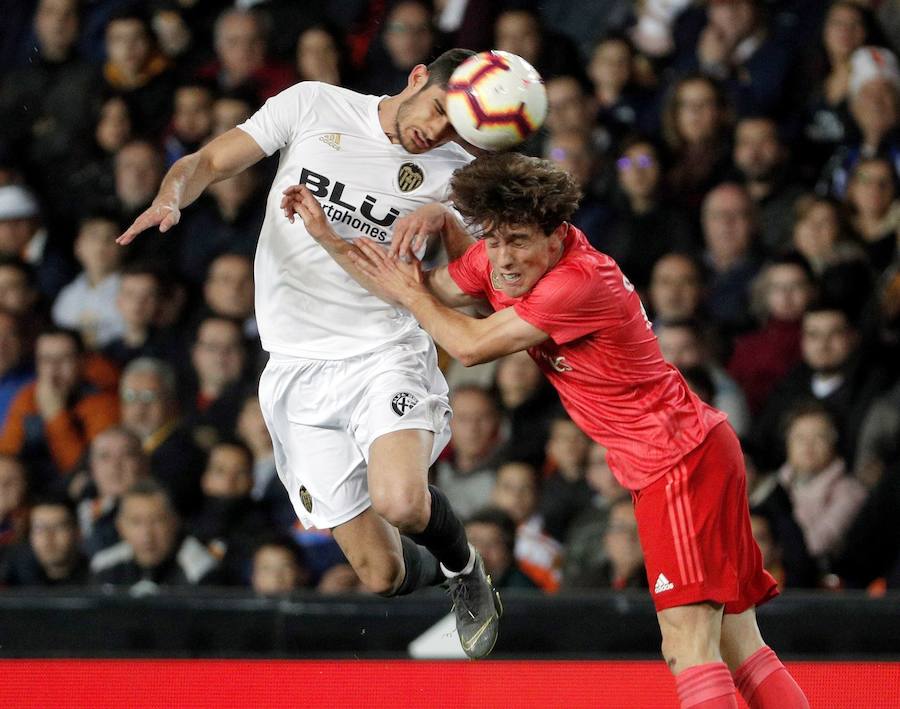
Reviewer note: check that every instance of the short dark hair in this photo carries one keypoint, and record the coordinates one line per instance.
(56, 500)
(501, 520)
(442, 68)
(56, 331)
(512, 189)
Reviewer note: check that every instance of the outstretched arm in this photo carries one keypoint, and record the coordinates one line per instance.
(298, 200)
(470, 340)
(222, 157)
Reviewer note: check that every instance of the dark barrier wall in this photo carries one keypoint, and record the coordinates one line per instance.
(619, 625)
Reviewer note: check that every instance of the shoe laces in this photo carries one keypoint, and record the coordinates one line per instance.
(459, 594)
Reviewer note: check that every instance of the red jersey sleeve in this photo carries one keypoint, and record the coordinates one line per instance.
(572, 301)
(470, 271)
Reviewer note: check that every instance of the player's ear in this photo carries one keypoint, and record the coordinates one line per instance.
(418, 77)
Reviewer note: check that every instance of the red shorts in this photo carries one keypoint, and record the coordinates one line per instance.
(694, 526)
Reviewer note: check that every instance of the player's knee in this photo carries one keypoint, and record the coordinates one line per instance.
(384, 576)
(405, 509)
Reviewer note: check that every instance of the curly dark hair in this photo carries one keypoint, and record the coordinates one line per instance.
(508, 189)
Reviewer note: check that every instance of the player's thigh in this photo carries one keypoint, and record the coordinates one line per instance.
(317, 459)
(373, 549)
(690, 634)
(740, 637)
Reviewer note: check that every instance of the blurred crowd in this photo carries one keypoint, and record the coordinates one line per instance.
(740, 159)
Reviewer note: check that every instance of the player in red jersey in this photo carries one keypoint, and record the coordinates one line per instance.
(580, 319)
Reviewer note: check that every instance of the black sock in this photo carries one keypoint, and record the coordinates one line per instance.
(444, 536)
(422, 569)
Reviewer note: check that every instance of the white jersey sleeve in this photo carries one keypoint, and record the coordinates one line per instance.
(275, 124)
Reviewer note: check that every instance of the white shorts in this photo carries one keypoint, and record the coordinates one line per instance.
(323, 416)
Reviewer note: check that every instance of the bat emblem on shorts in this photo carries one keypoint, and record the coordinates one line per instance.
(403, 402)
(305, 498)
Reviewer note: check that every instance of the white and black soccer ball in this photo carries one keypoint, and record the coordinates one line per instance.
(495, 100)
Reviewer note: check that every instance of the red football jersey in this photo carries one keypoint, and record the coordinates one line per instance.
(603, 359)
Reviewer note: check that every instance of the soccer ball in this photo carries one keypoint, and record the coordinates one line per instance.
(495, 100)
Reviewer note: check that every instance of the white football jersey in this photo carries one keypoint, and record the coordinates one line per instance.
(331, 140)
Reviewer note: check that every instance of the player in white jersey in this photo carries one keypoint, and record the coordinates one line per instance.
(352, 395)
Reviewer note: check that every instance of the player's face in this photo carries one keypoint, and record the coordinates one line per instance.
(521, 255)
(422, 122)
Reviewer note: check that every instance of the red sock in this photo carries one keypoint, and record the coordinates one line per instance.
(764, 683)
(706, 686)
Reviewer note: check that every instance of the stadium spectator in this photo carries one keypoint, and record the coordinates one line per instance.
(90, 176)
(191, 120)
(824, 497)
(228, 290)
(781, 293)
(13, 502)
(729, 233)
(493, 533)
(684, 345)
(467, 475)
(527, 405)
(241, 56)
(834, 371)
(153, 552)
(232, 108)
(267, 489)
(769, 500)
(826, 115)
(819, 234)
(52, 556)
(46, 104)
(230, 522)
(137, 172)
(518, 29)
(623, 565)
(88, 303)
(879, 438)
(769, 547)
(874, 87)
(115, 463)
(321, 56)
(761, 159)
(574, 152)
(874, 210)
(16, 365)
(696, 124)
(23, 235)
(564, 491)
(645, 226)
(340, 579)
(623, 106)
(408, 38)
(218, 358)
(517, 492)
(583, 553)
(676, 288)
(137, 69)
(572, 108)
(149, 400)
(228, 219)
(138, 302)
(52, 421)
(278, 568)
(737, 47)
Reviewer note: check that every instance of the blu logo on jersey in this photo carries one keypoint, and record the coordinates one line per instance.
(319, 186)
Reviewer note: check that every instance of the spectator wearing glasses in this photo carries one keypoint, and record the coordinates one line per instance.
(645, 226)
(148, 397)
(51, 557)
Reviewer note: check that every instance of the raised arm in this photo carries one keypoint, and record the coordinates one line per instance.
(222, 157)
